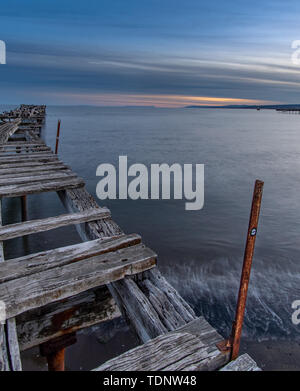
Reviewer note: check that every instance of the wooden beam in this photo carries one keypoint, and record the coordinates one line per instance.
(41, 187)
(13, 180)
(34, 226)
(10, 358)
(191, 347)
(28, 157)
(33, 165)
(66, 316)
(39, 289)
(242, 363)
(59, 257)
(24, 159)
(35, 171)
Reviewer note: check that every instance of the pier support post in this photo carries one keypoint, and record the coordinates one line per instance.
(57, 136)
(24, 207)
(56, 361)
(54, 351)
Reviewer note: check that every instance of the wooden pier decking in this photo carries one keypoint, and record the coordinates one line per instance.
(51, 295)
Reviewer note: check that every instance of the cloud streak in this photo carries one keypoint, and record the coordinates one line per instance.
(141, 52)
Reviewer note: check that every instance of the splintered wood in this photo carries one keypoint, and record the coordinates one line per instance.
(191, 347)
(40, 279)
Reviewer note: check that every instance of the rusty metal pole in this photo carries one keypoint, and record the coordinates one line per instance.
(57, 136)
(54, 351)
(245, 277)
(56, 361)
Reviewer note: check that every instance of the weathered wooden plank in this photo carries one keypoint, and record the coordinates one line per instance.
(159, 281)
(28, 157)
(7, 130)
(4, 155)
(13, 344)
(54, 320)
(80, 200)
(4, 361)
(37, 171)
(242, 363)
(24, 144)
(19, 148)
(24, 159)
(23, 152)
(165, 310)
(9, 347)
(1, 242)
(137, 309)
(34, 166)
(54, 185)
(187, 348)
(27, 293)
(59, 257)
(36, 178)
(34, 226)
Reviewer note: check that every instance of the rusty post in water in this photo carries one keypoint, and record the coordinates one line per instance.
(245, 277)
(57, 136)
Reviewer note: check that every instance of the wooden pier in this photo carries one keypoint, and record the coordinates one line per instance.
(290, 110)
(50, 295)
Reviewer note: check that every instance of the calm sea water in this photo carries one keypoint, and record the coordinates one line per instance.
(200, 252)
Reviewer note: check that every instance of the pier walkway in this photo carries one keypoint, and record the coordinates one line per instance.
(50, 295)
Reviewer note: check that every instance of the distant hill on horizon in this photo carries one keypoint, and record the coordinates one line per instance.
(289, 106)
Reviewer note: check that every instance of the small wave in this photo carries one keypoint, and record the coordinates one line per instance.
(212, 289)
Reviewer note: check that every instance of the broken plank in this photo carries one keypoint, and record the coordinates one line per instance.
(26, 293)
(242, 363)
(34, 226)
(67, 316)
(189, 348)
(59, 257)
(137, 309)
(180, 305)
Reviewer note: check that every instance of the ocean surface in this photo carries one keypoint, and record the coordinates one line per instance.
(200, 252)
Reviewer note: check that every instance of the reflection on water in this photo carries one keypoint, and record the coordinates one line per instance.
(201, 252)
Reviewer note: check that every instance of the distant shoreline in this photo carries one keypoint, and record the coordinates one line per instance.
(256, 107)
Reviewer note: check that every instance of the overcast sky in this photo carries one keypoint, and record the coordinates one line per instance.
(149, 52)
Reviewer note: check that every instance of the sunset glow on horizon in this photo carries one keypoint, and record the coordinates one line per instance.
(171, 101)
